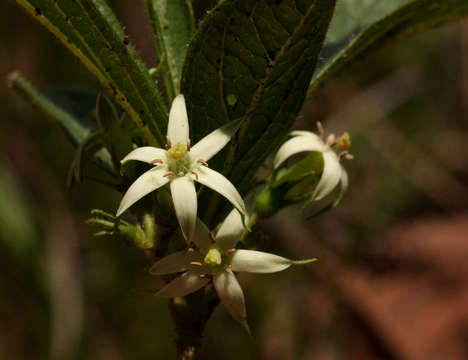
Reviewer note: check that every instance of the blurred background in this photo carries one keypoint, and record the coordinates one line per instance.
(392, 277)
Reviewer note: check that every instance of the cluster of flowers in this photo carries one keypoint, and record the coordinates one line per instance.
(212, 257)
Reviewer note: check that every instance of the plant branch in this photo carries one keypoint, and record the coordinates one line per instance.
(190, 315)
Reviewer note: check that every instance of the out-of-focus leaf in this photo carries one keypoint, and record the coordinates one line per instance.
(361, 26)
(64, 108)
(91, 31)
(351, 16)
(173, 26)
(18, 230)
(253, 60)
(76, 130)
(78, 103)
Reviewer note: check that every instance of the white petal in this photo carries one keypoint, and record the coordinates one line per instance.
(231, 295)
(211, 144)
(302, 133)
(304, 141)
(146, 154)
(343, 188)
(331, 175)
(178, 126)
(174, 263)
(184, 197)
(258, 262)
(146, 183)
(230, 231)
(344, 180)
(185, 284)
(217, 182)
(202, 235)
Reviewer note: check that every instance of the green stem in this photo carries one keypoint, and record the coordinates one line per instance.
(252, 221)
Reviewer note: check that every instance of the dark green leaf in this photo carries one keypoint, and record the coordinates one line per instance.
(76, 131)
(79, 103)
(86, 149)
(118, 134)
(358, 29)
(91, 31)
(18, 229)
(253, 60)
(64, 108)
(173, 26)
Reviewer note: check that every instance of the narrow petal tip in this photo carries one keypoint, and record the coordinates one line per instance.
(304, 262)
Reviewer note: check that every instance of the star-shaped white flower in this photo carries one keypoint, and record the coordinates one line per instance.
(333, 172)
(216, 260)
(180, 165)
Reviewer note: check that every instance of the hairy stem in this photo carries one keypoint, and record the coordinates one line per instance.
(190, 315)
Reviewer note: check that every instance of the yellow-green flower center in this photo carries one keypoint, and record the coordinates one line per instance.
(178, 151)
(213, 257)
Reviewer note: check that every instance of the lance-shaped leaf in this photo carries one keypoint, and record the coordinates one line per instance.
(49, 16)
(71, 109)
(253, 60)
(91, 31)
(118, 134)
(173, 26)
(358, 28)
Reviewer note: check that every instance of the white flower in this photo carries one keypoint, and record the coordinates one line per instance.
(333, 172)
(216, 260)
(180, 165)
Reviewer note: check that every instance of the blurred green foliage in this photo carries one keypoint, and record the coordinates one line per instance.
(122, 320)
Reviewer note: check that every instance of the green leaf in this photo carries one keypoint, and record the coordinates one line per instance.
(118, 134)
(253, 60)
(18, 228)
(173, 26)
(86, 149)
(77, 102)
(91, 31)
(71, 109)
(76, 130)
(351, 16)
(360, 27)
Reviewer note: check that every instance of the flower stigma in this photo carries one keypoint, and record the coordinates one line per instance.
(213, 257)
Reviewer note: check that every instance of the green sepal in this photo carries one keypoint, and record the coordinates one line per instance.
(310, 166)
(146, 233)
(290, 185)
